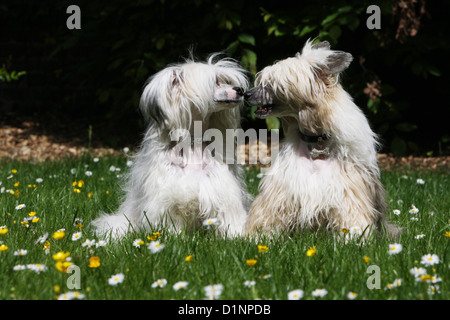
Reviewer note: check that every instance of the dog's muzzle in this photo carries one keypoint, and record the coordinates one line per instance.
(263, 97)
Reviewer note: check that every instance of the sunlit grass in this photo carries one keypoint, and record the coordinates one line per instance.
(69, 194)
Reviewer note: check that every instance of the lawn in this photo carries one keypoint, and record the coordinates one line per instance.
(47, 250)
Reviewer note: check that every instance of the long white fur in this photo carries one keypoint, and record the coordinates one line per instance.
(161, 192)
(339, 192)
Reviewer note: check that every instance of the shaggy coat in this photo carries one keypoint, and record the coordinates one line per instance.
(326, 174)
(176, 182)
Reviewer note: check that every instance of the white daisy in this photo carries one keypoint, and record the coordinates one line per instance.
(419, 236)
(70, 295)
(101, 243)
(159, 283)
(39, 180)
(156, 246)
(351, 295)
(116, 279)
(37, 267)
(21, 252)
(20, 206)
(429, 259)
(213, 291)
(76, 236)
(319, 293)
(417, 272)
(395, 248)
(295, 294)
(88, 243)
(433, 290)
(413, 210)
(249, 283)
(19, 267)
(137, 243)
(211, 222)
(420, 181)
(180, 285)
(397, 212)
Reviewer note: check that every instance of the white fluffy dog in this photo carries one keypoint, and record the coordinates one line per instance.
(177, 181)
(326, 174)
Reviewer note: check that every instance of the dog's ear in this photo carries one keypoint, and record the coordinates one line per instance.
(321, 45)
(337, 62)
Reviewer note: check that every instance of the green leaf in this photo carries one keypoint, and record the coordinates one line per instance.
(335, 32)
(232, 47)
(266, 17)
(160, 43)
(228, 25)
(307, 29)
(434, 71)
(248, 60)
(246, 38)
(330, 18)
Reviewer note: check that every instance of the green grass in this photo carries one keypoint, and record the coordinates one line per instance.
(337, 266)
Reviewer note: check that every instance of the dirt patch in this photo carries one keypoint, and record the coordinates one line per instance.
(27, 141)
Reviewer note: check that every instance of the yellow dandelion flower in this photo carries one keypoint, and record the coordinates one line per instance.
(16, 184)
(56, 289)
(90, 194)
(76, 190)
(366, 259)
(32, 214)
(151, 238)
(189, 258)
(311, 252)
(58, 235)
(251, 262)
(157, 234)
(425, 277)
(3, 230)
(35, 220)
(25, 223)
(345, 230)
(63, 266)
(3, 247)
(46, 247)
(94, 262)
(262, 248)
(14, 171)
(447, 234)
(61, 256)
(80, 184)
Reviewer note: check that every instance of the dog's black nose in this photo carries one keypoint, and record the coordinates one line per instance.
(239, 91)
(247, 95)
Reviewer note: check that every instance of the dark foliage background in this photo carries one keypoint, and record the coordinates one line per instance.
(94, 76)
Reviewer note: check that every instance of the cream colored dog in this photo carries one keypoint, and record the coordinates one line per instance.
(326, 174)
